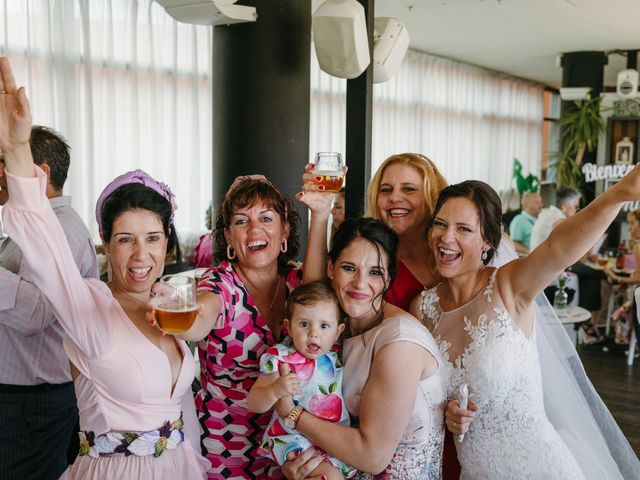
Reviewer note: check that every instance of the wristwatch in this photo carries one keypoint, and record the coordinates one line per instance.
(291, 420)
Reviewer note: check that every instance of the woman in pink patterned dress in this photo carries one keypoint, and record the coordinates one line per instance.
(243, 300)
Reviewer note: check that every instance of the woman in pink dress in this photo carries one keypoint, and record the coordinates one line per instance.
(256, 239)
(133, 384)
(203, 251)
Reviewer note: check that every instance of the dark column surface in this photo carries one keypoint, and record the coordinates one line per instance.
(358, 135)
(584, 69)
(261, 75)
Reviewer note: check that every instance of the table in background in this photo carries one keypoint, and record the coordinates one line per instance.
(575, 316)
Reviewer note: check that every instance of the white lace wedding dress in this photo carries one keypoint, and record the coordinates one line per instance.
(511, 436)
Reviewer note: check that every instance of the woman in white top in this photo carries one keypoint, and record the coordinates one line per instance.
(483, 320)
(399, 431)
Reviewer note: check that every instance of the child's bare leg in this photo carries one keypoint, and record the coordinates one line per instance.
(327, 469)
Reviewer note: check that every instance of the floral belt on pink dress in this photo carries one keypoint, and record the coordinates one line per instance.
(153, 442)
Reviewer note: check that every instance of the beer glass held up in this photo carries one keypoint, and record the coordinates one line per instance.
(175, 304)
(328, 168)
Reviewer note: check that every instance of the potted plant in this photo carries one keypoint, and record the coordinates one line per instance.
(581, 128)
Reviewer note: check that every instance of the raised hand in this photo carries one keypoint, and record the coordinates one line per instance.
(15, 114)
(313, 195)
(629, 186)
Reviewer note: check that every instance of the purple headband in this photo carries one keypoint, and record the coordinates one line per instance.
(136, 176)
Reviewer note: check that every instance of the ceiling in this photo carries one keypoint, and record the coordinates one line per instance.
(519, 37)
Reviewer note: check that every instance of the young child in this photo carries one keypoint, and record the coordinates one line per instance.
(313, 322)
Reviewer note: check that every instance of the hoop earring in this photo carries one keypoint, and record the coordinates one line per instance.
(231, 253)
(284, 246)
(484, 255)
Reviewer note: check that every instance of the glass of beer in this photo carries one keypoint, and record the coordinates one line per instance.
(176, 304)
(329, 167)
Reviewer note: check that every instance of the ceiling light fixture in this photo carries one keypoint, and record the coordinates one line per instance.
(209, 12)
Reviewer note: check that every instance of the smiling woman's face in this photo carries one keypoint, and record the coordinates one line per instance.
(137, 247)
(358, 277)
(400, 199)
(256, 234)
(456, 238)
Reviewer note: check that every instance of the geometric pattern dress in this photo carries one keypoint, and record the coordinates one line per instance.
(230, 364)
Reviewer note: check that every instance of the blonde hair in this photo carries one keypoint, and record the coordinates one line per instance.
(432, 181)
(634, 215)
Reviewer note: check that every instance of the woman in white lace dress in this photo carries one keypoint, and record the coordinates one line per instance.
(483, 321)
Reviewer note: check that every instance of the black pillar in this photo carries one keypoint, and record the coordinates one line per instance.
(261, 77)
(358, 134)
(583, 69)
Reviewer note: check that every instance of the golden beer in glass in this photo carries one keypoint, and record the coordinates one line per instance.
(328, 171)
(176, 305)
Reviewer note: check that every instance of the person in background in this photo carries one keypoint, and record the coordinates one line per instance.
(567, 205)
(203, 252)
(589, 279)
(634, 279)
(522, 224)
(38, 412)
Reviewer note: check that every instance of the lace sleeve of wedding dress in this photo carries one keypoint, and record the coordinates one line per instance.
(571, 402)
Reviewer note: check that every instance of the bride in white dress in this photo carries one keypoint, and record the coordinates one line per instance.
(483, 321)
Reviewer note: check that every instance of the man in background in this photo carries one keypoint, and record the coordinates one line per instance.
(522, 224)
(589, 279)
(567, 205)
(38, 412)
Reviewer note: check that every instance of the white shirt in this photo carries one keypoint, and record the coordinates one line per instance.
(548, 218)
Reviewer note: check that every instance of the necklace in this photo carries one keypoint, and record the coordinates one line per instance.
(275, 295)
(253, 290)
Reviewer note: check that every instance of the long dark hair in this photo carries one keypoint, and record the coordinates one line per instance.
(488, 205)
(134, 196)
(383, 238)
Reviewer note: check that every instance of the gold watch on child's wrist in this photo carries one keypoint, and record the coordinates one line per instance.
(291, 420)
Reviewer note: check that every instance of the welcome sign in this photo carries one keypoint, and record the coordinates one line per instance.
(610, 174)
(594, 172)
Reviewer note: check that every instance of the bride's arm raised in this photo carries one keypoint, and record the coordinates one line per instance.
(522, 279)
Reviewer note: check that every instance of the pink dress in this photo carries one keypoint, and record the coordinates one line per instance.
(203, 253)
(230, 362)
(125, 382)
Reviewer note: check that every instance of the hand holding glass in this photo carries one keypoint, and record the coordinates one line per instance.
(328, 166)
(176, 305)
